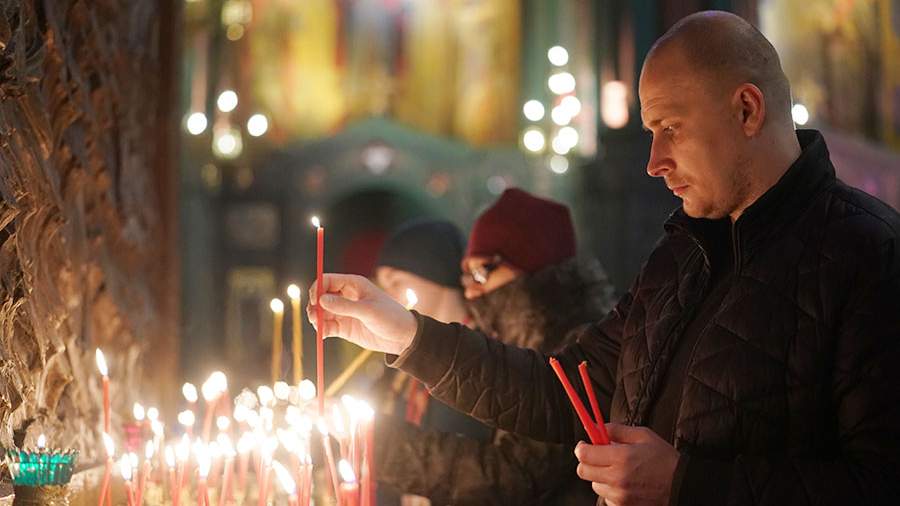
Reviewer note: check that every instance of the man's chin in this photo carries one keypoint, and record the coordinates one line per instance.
(697, 213)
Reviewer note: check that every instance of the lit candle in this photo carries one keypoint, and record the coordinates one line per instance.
(287, 482)
(278, 318)
(190, 394)
(293, 292)
(110, 447)
(212, 389)
(182, 452)
(244, 447)
(145, 471)
(173, 483)
(203, 466)
(228, 451)
(367, 427)
(320, 342)
(349, 487)
(125, 469)
(306, 484)
(104, 373)
(329, 457)
(186, 418)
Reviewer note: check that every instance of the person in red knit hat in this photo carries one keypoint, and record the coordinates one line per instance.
(519, 234)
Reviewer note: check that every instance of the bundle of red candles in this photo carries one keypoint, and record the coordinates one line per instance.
(595, 428)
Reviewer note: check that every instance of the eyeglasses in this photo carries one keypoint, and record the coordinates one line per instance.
(480, 274)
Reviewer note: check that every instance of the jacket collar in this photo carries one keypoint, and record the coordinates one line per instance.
(781, 204)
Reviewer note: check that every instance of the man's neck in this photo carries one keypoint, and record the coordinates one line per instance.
(779, 156)
(451, 306)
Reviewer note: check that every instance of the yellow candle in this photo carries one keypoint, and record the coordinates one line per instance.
(297, 334)
(278, 315)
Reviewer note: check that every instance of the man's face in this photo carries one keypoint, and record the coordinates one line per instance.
(697, 144)
(492, 271)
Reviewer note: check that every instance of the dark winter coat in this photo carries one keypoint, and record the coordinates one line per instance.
(791, 394)
(452, 469)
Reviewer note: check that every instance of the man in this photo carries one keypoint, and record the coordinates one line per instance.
(754, 360)
(523, 287)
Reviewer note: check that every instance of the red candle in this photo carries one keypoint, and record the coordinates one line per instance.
(104, 486)
(145, 471)
(104, 372)
(592, 398)
(287, 482)
(125, 469)
(589, 426)
(110, 448)
(367, 427)
(226, 481)
(329, 458)
(320, 342)
(264, 484)
(306, 481)
(349, 495)
(203, 466)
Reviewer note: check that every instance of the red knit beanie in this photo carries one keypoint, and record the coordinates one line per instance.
(527, 231)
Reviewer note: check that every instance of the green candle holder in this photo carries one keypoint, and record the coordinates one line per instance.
(40, 468)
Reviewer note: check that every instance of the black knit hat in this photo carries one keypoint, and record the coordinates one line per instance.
(431, 249)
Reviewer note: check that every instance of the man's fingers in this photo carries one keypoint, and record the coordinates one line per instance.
(341, 306)
(626, 434)
(348, 285)
(600, 455)
(599, 474)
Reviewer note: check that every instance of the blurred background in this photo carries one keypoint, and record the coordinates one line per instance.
(368, 113)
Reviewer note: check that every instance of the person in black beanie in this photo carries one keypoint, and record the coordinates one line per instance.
(424, 256)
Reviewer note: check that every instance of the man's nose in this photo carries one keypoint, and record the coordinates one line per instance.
(660, 163)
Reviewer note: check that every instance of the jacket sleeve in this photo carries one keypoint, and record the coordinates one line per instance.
(863, 465)
(452, 469)
(511, 388)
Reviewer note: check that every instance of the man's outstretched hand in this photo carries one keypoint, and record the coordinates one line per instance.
(356, 310)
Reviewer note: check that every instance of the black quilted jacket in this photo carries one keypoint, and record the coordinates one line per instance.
(792, 394)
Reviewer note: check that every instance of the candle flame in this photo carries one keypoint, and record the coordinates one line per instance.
(170, 457)
(288, 440)
(183, 449)
(190, 392)
(315, 221)
(42, 442)
(138, 411)
(152, 414)
(277, 306)
(101, 363)
(287, 482)
(204, 462)
(307, 390)
(223, 423)
(157, 427)
(322, 425)
(346, 471)
(225, 445)
(293, 292)
(266, 395)
(186, 418)
(109, 444)
(133, 459)
(125, 468)
(149, 450)
(245, 443)
(411, 298)
(281, 390)
(219, 380)
(366, 413)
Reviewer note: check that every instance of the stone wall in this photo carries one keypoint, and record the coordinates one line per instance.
(86, 224)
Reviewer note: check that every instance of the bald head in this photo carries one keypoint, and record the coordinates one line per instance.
(724, 50)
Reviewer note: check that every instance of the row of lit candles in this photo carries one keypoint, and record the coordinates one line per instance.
(355, 440)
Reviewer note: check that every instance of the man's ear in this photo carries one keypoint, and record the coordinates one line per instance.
(750, 103)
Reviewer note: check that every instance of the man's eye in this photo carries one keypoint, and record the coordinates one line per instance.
(669, 130)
